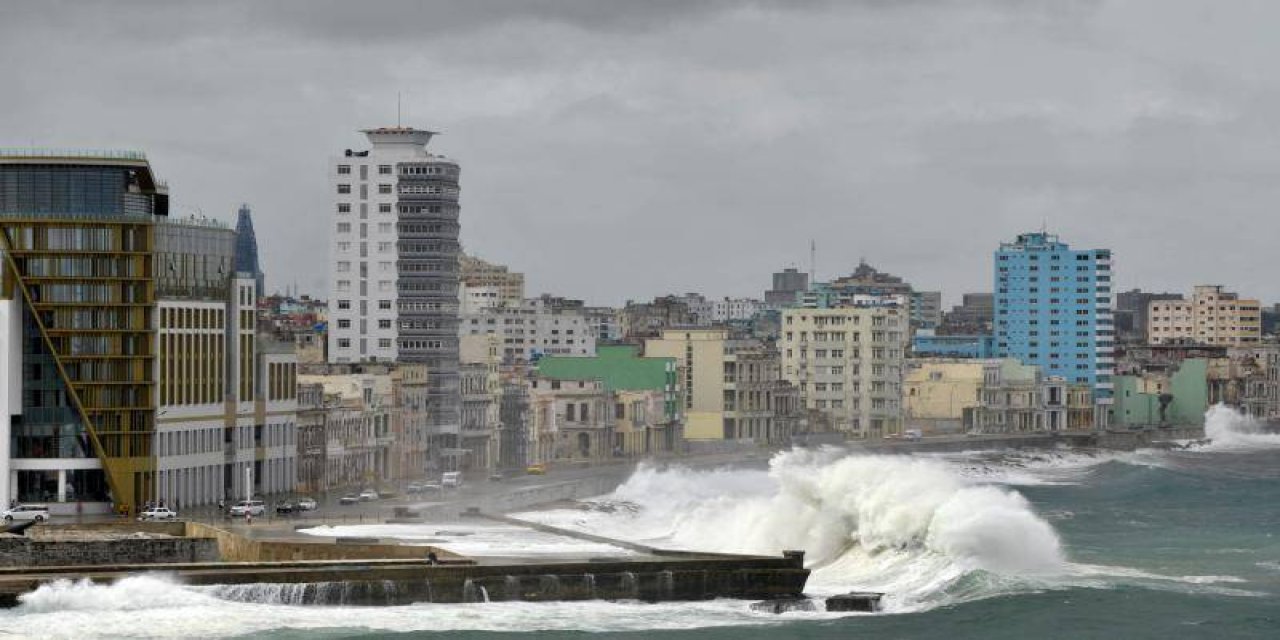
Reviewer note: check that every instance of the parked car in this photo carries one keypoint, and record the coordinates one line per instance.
(37, 512)
(251, 507)
(368, 495)
(451, 479)
(307, 504)
(287, 507)
(413, 487)
(432, 487)
(350, 498)
(158, 513)
(536, 469)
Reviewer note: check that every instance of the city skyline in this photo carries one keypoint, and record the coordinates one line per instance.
(913, 135)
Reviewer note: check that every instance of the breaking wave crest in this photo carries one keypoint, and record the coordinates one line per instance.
(1230, 430)
(134, 593)
(912, 527)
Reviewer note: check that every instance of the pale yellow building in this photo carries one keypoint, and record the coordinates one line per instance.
(940, 396)
(847, 363)
(733, 389)
(1211, 316)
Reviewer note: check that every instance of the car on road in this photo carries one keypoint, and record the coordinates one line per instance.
(368, 495)
(37, 512)
(432, 487)
(536, 469)
(350, 498)
(307, 504)
(250, 507)
(158, 513)
(287, 508)
(451, 479)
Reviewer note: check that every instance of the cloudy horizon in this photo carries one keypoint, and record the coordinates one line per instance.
(622, 150)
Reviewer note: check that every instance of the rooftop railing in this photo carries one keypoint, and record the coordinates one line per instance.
(44, 152)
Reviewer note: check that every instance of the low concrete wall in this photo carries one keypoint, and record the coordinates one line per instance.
(233, 547)
(176, 529)
(26, 552)
(391, 582)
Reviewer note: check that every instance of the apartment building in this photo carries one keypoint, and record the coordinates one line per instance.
(534, 328)
(848, 365)
(732, 388)
(1053, 309)
(1211, 316)
(394, 262)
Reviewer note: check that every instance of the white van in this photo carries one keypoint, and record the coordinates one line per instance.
(251, 507)
(451, 479)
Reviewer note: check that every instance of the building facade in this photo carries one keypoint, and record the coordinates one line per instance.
(506, 286)
(848, 364)
(645, 394)
(732, 389)
(395, 261)
(134, 374)
(1212, 316)
(1053, 309)
(534, 328)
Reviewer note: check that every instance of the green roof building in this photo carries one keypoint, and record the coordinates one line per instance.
(621, 368)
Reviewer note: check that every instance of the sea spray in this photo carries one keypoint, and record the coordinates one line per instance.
(1230, 430)
(911, 525)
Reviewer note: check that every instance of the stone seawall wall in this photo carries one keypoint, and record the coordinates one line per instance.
(27, 552)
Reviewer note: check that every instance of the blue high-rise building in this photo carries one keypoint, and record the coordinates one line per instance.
(1053, 308)
(247, 248)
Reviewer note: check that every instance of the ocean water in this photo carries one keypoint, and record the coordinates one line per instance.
(1149, 544)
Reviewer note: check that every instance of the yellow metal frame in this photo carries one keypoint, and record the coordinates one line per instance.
(123, 471)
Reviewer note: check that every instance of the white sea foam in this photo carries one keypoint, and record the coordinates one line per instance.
(1230, 430)
(157, 607)
(912, 527)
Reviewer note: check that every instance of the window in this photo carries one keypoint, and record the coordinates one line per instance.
(344, 246)
(344, 227)
(344, 267)
(344, 324)
(384, 343)
(384, 227)
(384, 169)
(384, 324)
(344, 343)
(344, 188)
(344, 285)
(344, 207)
(384, 305)
(344, 169)
(344, 304)
(384, 208)
(384, 188)
(384, 247)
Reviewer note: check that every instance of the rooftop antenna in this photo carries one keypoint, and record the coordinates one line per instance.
(813, 260)
(397, 109)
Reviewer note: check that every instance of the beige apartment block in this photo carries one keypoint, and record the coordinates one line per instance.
(1212, 316)
(504, 285)
(733, 388)
(848, 364)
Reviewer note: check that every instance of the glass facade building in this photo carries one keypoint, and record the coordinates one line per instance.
(247, 248)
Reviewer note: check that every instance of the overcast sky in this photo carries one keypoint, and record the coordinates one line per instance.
(616, 150)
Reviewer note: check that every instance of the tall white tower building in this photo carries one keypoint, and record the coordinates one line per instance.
(394, 262)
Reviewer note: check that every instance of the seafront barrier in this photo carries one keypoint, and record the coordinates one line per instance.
(373, 573)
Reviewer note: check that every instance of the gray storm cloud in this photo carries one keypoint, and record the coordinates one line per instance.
(618, 150)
